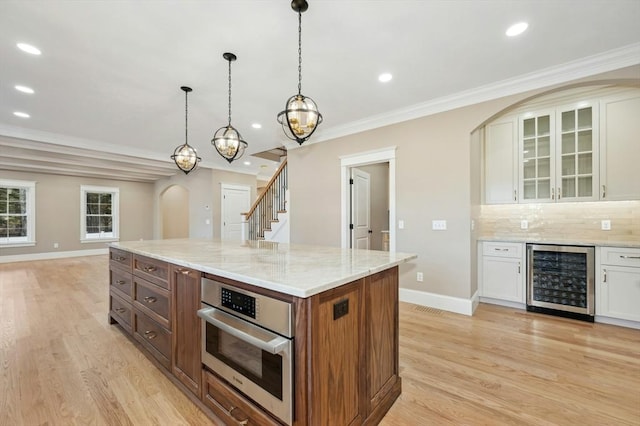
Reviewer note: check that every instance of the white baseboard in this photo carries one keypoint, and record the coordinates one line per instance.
(52, 255)
(500, 302)
(439, 301)
(618, 322)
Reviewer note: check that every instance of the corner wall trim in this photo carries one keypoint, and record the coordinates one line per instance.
(438, 301)
(52, 255)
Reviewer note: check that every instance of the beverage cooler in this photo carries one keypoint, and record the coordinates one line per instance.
(560, 280)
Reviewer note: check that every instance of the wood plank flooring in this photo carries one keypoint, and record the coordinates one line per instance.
(61, 363)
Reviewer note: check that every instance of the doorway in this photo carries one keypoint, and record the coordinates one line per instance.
(383, 158)
(235, 201)
(174, 209)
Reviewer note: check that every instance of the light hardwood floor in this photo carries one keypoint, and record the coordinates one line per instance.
(61, 363)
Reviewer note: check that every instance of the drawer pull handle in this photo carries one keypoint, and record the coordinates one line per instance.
(150, 334)
(629, 257)
(121, 282)
(242, 422)
(184, 271)
(150, 268)
(501, 249)
(120, 258)
(150, 299)
(120, 310)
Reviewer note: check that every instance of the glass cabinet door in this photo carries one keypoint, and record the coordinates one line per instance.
(536, 164)
(577, 153)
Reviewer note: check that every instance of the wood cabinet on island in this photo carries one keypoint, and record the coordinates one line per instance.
(341, 362)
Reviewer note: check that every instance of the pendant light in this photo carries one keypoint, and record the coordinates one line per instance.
(301, 116)
(185, 156)
(227, 140)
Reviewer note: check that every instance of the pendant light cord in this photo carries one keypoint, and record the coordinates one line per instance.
(299, 52)
(229, 92)
(186, 115)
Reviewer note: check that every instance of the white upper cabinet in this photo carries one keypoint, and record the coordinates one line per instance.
(577, 153)
(537, 145)
(620, 147)
(500, 154)
(578, 145)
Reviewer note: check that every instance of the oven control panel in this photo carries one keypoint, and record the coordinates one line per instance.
(238, 302)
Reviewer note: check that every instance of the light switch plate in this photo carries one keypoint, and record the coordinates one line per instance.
(605, 225)
(419, 277)
(524, 224)
(401, 224)
(439, 225)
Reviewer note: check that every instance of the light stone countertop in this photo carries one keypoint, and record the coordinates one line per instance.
(557, 241)
(297, 270)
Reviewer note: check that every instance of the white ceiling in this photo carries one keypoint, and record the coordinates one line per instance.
(109, 76)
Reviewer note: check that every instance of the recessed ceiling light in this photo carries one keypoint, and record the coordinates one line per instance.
(517, 29)
(256, 126)
(24, 89)
(21, 114)
(385, 77)
(247, 163)
(29, 48)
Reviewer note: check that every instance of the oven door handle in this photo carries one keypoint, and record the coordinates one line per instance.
(245, 331)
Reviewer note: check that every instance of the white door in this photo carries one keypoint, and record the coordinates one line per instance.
(360, 209)
(235, 201)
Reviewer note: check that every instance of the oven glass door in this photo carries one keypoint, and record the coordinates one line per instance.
(256, 364)
(241, 352)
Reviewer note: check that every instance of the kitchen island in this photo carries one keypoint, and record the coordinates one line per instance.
(344, 325)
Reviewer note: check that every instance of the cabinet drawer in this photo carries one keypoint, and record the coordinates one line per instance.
(231, 406)
(620, 256)
(121, 311)
(153, 301)
(120, 258)
(502, 249)
(153, 336)
(121, 282)
(153, 270)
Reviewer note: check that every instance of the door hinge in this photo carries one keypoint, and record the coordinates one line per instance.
(351, 226)
(350, 181)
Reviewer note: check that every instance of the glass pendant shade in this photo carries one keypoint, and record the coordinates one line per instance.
(227, 140)
(300, 118)
(229, 143)
(185, 156)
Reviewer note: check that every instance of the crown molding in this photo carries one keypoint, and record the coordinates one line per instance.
(591, 65)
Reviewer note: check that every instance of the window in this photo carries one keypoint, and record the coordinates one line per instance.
(99, 213)
(17, 213)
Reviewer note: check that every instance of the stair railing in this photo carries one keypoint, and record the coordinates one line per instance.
(267, 205)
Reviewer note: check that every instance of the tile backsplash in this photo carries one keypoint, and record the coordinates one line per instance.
(562, 221)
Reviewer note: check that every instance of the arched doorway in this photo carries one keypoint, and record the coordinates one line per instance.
(174, 211)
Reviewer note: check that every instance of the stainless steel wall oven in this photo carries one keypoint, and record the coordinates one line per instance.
(247, 339)
(560, 280)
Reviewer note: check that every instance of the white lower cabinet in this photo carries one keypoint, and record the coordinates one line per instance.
(503, 273)
(618, 284)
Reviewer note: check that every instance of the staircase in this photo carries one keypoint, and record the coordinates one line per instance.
(268, 218)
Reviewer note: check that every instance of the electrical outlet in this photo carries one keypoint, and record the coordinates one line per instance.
(401, 224)
(419, 277)
(439, 225)
(55, 245)
(605, 225)
(524, 224)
